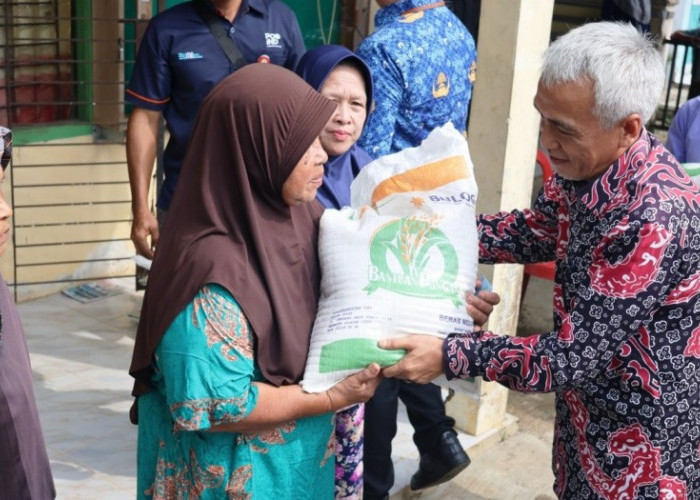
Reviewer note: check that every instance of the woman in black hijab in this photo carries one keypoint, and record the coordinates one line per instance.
(25, 472)
(230, 304)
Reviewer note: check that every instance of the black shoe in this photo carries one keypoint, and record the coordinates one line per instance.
(446, 461)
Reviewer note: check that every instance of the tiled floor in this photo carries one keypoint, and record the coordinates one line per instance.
(80, 357)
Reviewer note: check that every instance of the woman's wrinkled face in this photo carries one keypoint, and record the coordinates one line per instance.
(5, 214)
(345, 86)
(307, 176)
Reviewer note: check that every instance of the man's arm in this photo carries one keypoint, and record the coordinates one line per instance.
(141, 141)
(521, 236)
(600, 318)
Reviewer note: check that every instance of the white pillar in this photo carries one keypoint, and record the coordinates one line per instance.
(503, 134)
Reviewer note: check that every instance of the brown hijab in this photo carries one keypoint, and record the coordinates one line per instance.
(228, 224)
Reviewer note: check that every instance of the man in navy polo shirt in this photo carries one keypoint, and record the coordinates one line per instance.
(422, 61)
(178, 63)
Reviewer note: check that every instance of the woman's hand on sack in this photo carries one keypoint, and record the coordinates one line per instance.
(422, 362)
(480, 305)
(356, 388)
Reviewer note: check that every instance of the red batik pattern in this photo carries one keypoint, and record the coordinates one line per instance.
(624, 354)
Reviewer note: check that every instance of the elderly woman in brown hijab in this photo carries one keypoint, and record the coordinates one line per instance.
(230, 304)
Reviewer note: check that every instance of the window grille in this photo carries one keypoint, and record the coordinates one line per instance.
(63, 67)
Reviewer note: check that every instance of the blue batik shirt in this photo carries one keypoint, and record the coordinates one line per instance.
(423, 65)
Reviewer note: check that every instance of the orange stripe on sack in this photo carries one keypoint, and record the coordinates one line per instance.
(423, 178)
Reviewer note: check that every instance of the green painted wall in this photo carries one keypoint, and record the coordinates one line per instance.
(319, 20)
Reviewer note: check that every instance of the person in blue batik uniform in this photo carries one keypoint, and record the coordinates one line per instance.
(178, 63)
(423, 62)
(621, 219)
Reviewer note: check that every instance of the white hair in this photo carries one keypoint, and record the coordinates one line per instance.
(625, 66)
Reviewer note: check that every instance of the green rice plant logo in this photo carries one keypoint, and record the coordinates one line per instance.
(411, 256)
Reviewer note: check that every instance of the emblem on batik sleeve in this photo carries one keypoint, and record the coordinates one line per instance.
(441, 87)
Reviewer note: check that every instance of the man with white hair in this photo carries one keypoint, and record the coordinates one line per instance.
(622, 221)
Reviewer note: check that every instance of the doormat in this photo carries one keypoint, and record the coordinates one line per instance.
(90, 292)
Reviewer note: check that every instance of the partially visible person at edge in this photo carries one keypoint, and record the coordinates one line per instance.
(230, 303)
(684, 132)
(25, 472)
(622, 221)
(691, 38)
(178, 63)
(339, 74)
(423, 62)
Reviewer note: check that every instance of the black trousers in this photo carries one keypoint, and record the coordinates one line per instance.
(426, 412)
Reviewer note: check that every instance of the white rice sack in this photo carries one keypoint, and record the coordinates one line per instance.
(399, 262)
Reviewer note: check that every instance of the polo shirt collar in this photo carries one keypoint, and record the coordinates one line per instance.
(257, 5)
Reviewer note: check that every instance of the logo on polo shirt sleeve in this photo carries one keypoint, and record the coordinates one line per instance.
(273, 40)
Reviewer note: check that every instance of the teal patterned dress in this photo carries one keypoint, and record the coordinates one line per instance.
(204, 372)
